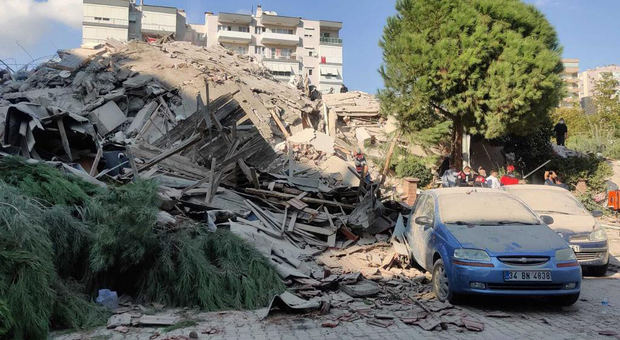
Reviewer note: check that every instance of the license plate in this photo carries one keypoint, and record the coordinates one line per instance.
(576, 248)
(527, 275)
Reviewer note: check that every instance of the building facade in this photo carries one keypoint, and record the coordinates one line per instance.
(589, 78)
(125, 20)
(571, 80)
(287, 46)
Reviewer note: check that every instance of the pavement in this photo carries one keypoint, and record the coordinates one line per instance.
(502, 319)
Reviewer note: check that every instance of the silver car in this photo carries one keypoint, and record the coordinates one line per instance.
(572, 221)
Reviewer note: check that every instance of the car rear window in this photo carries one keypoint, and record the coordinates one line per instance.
(487, 208)
(551, 201)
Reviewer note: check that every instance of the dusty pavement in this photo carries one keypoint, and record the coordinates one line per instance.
(502, 319)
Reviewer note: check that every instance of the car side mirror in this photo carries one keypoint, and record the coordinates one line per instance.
(423, 220)
(597, 213)
(547, 219)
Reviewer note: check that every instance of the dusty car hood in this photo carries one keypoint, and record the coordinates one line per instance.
(507, 238)
(571, 224)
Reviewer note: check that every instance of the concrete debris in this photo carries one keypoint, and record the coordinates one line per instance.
(230, 147)
(107, 117)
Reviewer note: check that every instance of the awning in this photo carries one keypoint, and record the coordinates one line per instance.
(329, 71)
(280, 67)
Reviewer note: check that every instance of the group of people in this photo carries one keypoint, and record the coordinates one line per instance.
(468, 178)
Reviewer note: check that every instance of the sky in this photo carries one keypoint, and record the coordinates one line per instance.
(31, 29)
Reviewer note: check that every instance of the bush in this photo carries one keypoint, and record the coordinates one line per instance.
(413, 166)
(594, 169)
(45, 183)
(52, 255)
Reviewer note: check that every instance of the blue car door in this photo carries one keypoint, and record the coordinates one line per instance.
(421, 234)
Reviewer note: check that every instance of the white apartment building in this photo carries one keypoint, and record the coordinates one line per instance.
(125, 20)
(287, 46)
(589, 78)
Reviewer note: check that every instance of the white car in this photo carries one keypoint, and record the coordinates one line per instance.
(572, 221)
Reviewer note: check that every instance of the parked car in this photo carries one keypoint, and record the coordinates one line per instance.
(572, 222)
(487, 241)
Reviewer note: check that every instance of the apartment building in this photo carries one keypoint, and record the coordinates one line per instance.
(589, 78)
(287, 46)
(571, 79)
(125, 20)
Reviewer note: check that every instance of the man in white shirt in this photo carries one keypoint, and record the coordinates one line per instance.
(492, 181)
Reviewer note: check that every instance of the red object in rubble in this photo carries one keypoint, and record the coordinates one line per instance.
(613, 200)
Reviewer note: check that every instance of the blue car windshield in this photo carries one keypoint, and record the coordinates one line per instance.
(484, 208)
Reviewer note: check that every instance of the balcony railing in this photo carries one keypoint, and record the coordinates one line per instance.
(331, 41)
(234, 36)
(280, 57)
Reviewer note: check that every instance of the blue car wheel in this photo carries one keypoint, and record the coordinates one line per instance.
(441, 284)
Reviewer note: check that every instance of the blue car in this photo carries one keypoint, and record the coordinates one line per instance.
(488, 242)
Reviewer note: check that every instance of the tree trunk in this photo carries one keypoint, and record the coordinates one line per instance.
(457, 142)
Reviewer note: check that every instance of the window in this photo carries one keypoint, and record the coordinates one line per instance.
(244, 29)
(310, 53)
(310, 72)
(281, 73)
(282, 30)
(308, 35)
(325, 34)
(259, 50)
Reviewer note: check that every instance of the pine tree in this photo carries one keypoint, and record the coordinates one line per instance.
(491, 67)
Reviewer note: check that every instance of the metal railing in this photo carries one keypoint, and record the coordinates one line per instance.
(280, 57)
(331, 41)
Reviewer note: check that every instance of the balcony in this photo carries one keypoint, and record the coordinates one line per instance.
(234, 37)
(280, 58)
(280, 39)
(331, 41)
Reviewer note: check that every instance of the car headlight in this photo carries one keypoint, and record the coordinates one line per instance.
(472, 255)
(598, 234)
(566, 254)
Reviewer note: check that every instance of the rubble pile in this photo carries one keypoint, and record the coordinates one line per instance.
(227, 145)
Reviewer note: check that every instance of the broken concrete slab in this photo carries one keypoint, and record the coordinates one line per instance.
(137, 81)
(140, 119)
(157, 320)
(361, 289)
(117, 320)
(291, 303)
(107, 117)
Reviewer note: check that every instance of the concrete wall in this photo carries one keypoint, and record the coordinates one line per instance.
(103, 21)
(153, 21)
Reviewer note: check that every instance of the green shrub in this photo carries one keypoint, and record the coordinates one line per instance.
(43, 182)
(53, 254)
(413, 166)
(594, 169)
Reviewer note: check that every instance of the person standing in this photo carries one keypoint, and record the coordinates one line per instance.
(493, 181)
(509, 178)
(561, 132)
